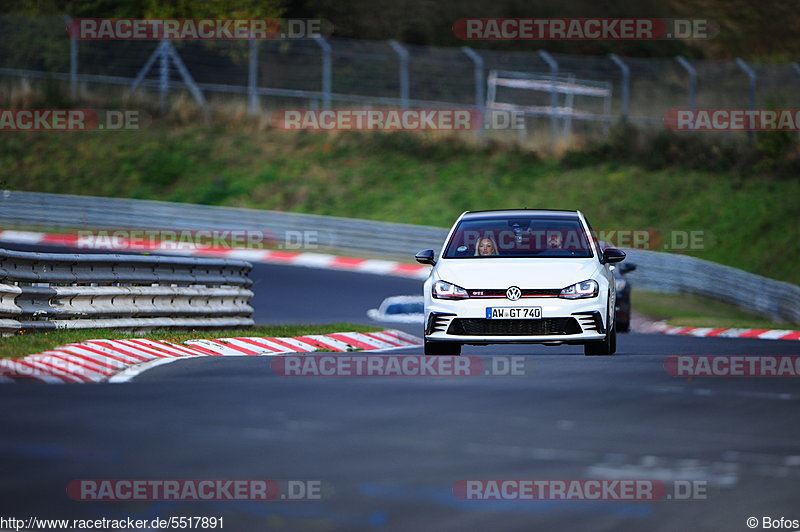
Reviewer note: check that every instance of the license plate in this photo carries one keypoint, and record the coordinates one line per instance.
(508, 313)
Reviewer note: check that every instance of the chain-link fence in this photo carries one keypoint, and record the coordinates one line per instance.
(345, 73)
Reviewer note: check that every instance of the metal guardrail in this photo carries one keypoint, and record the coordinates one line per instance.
(665, 272)
(56, 211)
(673, 273)
(41, 291)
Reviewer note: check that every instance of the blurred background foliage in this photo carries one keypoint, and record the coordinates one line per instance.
(766, 30)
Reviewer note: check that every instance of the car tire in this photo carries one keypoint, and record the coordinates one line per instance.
(442, 348)
(613, 341)
(623, 326)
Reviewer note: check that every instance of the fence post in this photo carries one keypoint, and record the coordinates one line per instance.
(492, 94)
(326, 71)
(692, 81)
(163, 78)
(163, 52)
(480, 98)
(170, 52)
(796, 68)
(626, 85)
(73, 60)
(752, 77)
(553, 64)
(146, 68)
(252, 79)
(402, 53)
(752, 90)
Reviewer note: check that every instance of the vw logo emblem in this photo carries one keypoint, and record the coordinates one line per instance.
(513, 293)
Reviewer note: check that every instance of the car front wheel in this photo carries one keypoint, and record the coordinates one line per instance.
(604, 348)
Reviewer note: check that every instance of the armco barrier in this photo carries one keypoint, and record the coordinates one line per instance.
(66, 290)
(666, 272)
(30, 209)
(669, 272)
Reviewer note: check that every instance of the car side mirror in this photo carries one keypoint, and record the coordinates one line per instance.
(611, 255)
(425, 257)
(627, 267)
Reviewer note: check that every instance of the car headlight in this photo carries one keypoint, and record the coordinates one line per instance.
(445, 290)
(581, 290)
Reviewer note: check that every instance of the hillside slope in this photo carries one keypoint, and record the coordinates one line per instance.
(748, 222)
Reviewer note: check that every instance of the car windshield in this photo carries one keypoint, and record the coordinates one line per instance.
(519, 237)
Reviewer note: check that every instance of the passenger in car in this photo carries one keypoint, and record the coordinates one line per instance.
(554, 240)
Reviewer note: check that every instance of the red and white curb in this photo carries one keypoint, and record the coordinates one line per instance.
(117, 360)
(721, 332)
(294, 258)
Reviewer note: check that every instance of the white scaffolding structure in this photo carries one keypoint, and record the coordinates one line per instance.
(562, 89)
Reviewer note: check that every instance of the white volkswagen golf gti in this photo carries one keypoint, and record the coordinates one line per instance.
(520, 276)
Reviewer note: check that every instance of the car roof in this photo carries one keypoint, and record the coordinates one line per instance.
(552, 213)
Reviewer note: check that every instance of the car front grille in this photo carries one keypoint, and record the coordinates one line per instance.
(520, 327)
(501, 293)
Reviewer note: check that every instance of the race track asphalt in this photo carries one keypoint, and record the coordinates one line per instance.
(388, 450)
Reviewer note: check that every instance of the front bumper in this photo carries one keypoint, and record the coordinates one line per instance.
(563, 321)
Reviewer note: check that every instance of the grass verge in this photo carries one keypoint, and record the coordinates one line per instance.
(695, 311)
(19, 345)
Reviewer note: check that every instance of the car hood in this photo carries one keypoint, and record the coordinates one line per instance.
(524, 273)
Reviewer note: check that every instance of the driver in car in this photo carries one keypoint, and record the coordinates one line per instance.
(485, 247)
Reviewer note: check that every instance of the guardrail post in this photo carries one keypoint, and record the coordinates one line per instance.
(402, 54)
(553, 64)
(326, 71)
(73, 62)
(751, 74)
(626, 85)
(252, 79)
(480, 97)
(692, 81)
